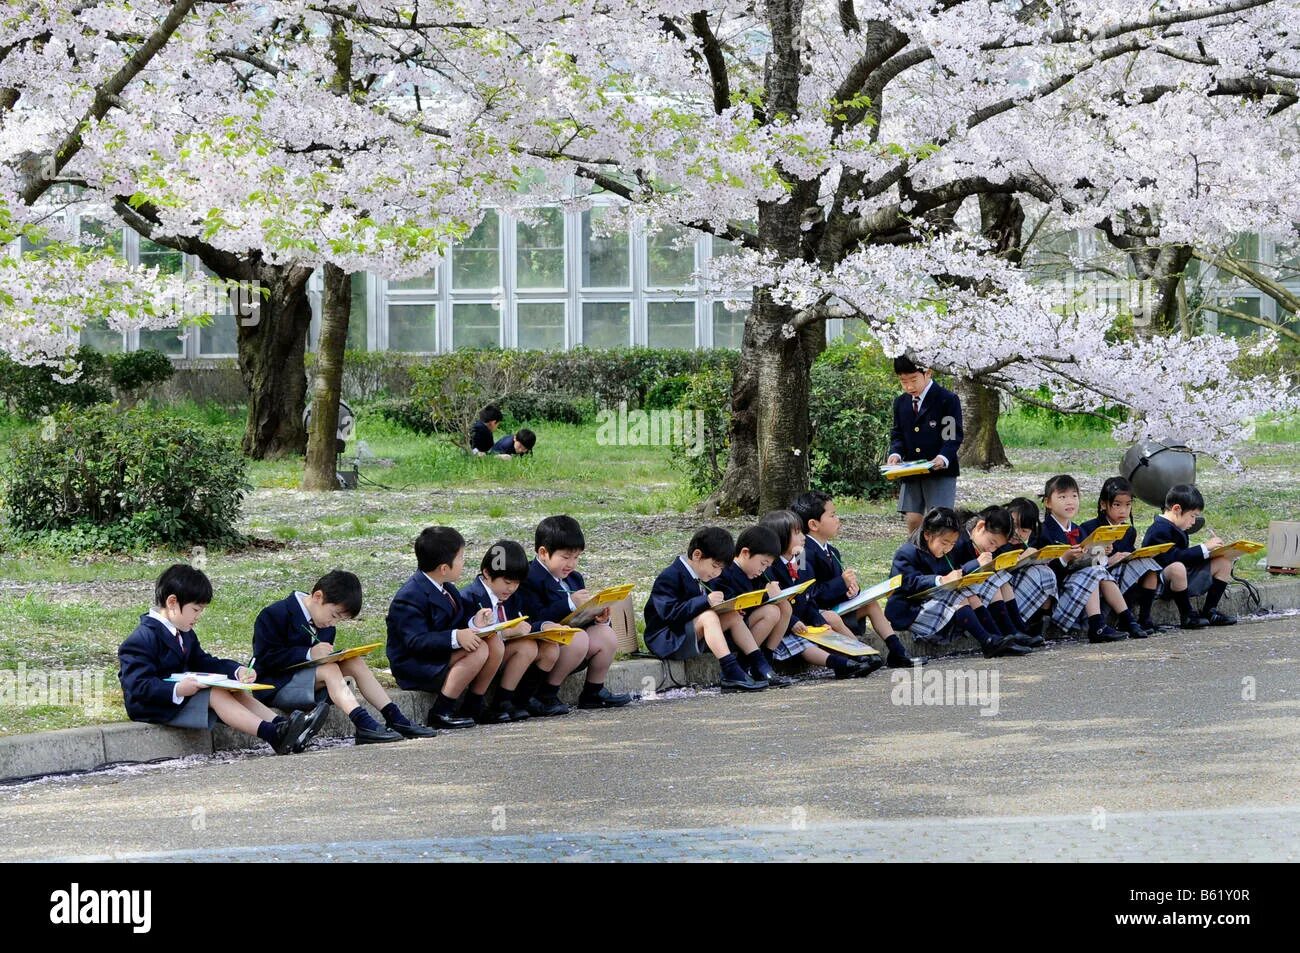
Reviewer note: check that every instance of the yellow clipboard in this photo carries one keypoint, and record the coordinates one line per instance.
(217, 680)
(1104, 535)
(746, 600)
(1011, 559)
(833, 641)
(1146, 552)
(900, 471)
(867, 596)
(585, 613)
(499, 626)
(1242, 547)
(342, 655)
(965, 582)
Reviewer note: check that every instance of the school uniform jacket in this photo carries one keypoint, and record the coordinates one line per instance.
(476, 597)
(824, 563)
(922, 436)
(283, 636)
(676, 598)
(544, 598)
(1050, 533)
(965, 555)
(805, 610)
(421, 624)
(480, 437)
(505, 445)
(148, 656)
(733, 582)
(1164, 531)
(919, 570)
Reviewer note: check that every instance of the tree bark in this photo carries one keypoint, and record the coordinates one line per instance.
(272, 345)
(981, 447)
(327, 386)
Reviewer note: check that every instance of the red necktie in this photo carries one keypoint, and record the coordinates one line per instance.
(794, 570)
(501, 612)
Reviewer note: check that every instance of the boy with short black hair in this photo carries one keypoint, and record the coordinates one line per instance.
(1188, 570)
(483, 434)
(502, 571)
(301, 628)
(516, 444)
(835, 584)
(757, 547)
(431, 646)
(679, 617)
(552, 590)
(164, 644)
(927, 426)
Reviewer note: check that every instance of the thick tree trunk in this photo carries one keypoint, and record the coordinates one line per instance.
(327, 386)
(272, 344)
(981, 446)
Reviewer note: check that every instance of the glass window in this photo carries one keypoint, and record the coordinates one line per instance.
(95, 234)
(728, 326)
(540, 251)
(167, 340)
(168, 261)
(425, 282)
(541, 325)
(606, 323)
(670, 323)
(1236, 327)
(604, 260)
(219, 337)
(669, 267)
(475, 325)
(101, 337)
(476, 262)
(1246, 248)
(413, 327)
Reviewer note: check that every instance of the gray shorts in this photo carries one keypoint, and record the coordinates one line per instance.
(923, 494)
(195, 712)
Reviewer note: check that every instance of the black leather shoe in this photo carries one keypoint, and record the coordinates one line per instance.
(1003, 646)
(1027, 640)
(414, 731)
(376, 736)
(905, 661)
(449, 722)
(1136, 631)
(605, 699)
(491, 715)
(868, 664)
(748, 685)
(776, 681)
(1218, 618)
(1106, 634)
(315, 722)
(290, 730)
(513, 711)
(540, 708)
(1194, 621)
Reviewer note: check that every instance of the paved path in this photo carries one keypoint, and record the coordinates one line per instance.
(1142, 750)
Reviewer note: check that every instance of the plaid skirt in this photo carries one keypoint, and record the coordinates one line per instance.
(1129, 574)
(990, 589)
(790, 646)
(936, 614)
(1073, 600)
(1032, 587)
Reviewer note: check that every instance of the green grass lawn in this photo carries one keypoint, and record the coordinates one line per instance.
(58, 612)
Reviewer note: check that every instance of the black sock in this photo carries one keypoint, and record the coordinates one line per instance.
(528, 685)
(966, 618)
(393, 715)
(267, 731)
(1003, 618)
(770, 656)
(990, 624)
(444, 706)
(547, 692)
(1013, 613)
(472, 705)
(1094, 624)
(895, 646)
(731, 669)
(837, 663)
(1145, 599)
(1217, 589)
(1184, 605)
(1126, 621)
(361, 718)
(591, 690)
(757, 665)
(505, 696)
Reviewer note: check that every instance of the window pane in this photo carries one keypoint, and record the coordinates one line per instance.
(541, 325)
(604, 260)
(476, 262)
(475, 325)
(166, 340)
(413, 327)
(219, 337)
(357, 313)
(606, 323)
(167, 260)
(728, 326)
(669, 267)
(541, 251)
(95, 234)
(98, 335)
(425, 282)
(1235, 327)
(670, 323)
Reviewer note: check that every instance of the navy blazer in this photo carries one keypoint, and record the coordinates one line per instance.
(148, 656)
(1051, 534)
(476, 597)
(1164, 531)
(965, 555)
(805, 610)
(921, 437)
(918, 567)
(830, 589)
(1126, 544)
(420, 622)
(676, 598)
(481, 437)
(545, 598)
(505, 445)
(282, 636)
(733, 582)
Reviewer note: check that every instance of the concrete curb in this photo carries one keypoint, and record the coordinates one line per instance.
(95, 746)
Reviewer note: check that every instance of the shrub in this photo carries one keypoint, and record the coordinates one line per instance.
(851, 410)
(667, 393)
(709, 391)
(135, 370)
(405, 413)
(530, 407)
(32, 392)
(107, 479)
